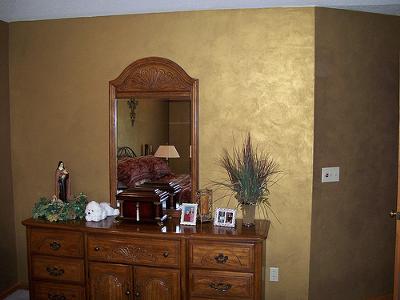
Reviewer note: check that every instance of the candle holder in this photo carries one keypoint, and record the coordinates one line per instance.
(204, 201)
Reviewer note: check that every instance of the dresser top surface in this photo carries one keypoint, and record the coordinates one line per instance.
(171, 229)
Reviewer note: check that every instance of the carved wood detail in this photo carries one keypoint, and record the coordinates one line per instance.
(132, 253)
(125, 250)
(109, 281)
(155, 288)
(157, 284)
(153, 78)
(153, 74)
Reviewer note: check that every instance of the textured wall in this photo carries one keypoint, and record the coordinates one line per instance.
(8, 259)
(256, 72)
(356, 128)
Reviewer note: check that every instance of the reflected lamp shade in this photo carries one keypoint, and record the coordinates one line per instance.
(167, 151)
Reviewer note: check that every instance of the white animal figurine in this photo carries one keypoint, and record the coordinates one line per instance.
(94, 212)
(109, 210)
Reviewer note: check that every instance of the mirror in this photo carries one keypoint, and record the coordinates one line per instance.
(153, 117)
(157, 127)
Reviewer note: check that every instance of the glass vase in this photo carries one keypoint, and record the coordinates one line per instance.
(204, 208)
(249, 214)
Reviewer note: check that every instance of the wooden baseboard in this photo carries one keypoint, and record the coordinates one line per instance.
(385, 297)
(8, 291)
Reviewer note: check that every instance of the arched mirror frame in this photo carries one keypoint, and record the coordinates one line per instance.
(153, 78)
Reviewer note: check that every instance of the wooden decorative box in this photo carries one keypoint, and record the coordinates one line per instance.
(143, 205)
(170, 187)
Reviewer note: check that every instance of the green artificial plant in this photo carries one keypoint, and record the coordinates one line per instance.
(56, 210)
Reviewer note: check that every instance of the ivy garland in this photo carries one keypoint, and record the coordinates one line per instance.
(55, 210)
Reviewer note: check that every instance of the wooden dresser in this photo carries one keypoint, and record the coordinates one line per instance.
(107, 260)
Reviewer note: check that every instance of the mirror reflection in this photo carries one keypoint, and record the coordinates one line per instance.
(153, 143)
(153, 131)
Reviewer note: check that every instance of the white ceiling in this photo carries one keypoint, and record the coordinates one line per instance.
(23, 10)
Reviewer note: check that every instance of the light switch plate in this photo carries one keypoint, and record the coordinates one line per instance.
(273, 274)
(330, 174)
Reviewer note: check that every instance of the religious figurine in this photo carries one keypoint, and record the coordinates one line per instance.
(63, 188)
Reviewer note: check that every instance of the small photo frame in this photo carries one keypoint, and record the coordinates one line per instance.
(225, 217)
(189, 213)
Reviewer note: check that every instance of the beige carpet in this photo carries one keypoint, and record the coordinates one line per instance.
(19, 295)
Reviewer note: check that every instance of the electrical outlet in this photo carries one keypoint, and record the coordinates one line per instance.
(273, 274)
(330, 174)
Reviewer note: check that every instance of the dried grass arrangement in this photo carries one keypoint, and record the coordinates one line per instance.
(251, 172)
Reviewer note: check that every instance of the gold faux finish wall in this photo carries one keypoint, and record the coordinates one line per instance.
(256, 72)
(8, 259)
(356, 128)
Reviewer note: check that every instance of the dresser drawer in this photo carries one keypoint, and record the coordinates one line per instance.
(154, 252)
(56, 291)
(221, 256)
(57, 242)
(221, 285)
(57, 268)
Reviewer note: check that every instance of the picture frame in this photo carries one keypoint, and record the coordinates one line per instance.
(189, 214)
(225, 217)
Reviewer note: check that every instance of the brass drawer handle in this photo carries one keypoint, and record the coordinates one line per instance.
(137, 294)
(166, 254)
(55, 245)
(221, 258)
(96, 248)
(128, 292)
(56, 297)
(54, 271)
(220, 287)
